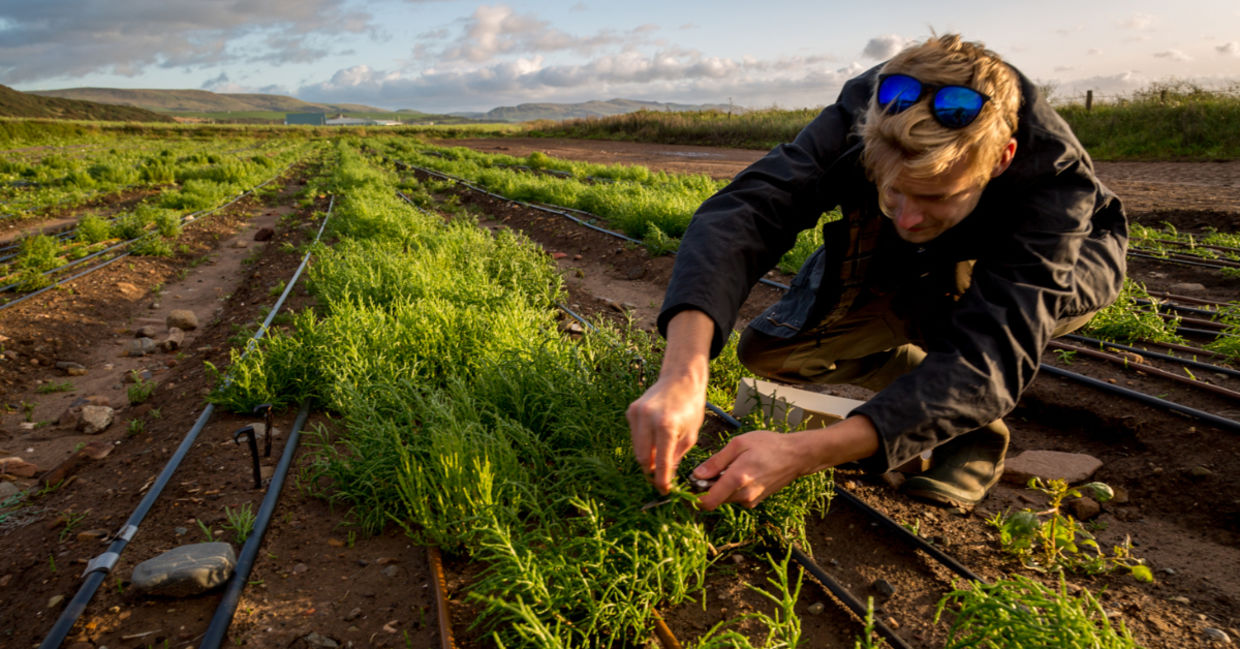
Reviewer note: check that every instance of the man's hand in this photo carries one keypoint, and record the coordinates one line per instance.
(664, 422)
(757, 464)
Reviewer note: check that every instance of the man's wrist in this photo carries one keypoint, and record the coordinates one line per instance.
(852, 439)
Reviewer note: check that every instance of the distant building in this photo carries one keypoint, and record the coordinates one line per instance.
(307, 119)
(349, 121)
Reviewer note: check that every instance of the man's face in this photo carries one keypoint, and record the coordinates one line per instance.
(924, 208)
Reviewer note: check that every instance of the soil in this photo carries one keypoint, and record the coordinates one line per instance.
(315, 575)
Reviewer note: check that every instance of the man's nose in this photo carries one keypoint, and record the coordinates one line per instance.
(909, 214)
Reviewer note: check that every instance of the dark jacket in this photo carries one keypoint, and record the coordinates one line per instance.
(1048, 238)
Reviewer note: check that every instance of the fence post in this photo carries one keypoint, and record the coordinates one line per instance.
(1089, 100)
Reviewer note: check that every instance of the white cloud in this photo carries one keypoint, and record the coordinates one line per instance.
(492, 32)
(1229, 49)
(881, 48)
(1174, 55)
(666, 75)
(1139, 22)
(54, 38)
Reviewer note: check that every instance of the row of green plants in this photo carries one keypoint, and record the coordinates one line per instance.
(655, 207)
(1132, 318)
(68, 178)
(156, 223)
(1167, 240)
(463, 414)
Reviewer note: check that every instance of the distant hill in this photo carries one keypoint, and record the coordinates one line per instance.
(14, 103)
(557, 112)
(202, 101)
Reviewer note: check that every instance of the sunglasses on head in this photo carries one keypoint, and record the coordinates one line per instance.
(952, 106)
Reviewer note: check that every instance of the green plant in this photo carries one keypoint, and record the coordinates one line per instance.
(1021, 612)
(28, 410)
(206, 530)
(137, 426)
(240, 521)
(54, 386)
(1065, 356)
(140, 390)
(70, 521)
(1049, 540)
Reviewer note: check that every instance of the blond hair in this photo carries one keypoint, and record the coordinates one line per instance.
(914, 142)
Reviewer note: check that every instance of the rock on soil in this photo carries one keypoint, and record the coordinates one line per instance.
(183, 319)
(1050, 465)
(95, 419)
(186, 571)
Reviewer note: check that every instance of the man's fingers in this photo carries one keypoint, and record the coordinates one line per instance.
(716, 463)
(723, 490)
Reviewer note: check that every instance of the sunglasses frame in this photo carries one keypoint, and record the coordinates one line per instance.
(893, 106)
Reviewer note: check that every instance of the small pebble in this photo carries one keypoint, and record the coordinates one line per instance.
(1216, 635)
(816, 608)
(1180, 599)
(55, 601)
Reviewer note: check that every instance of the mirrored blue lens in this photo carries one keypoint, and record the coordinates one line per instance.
(957, 106)
(898, 91)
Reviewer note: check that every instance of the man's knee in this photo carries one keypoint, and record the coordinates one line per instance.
(755, 350)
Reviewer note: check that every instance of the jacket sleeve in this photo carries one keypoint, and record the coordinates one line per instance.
(741, 232)
(984, 356)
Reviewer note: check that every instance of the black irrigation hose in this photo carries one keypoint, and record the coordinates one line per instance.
(561, 211)
(1178, 307)
(844, 596)
(1221, 422)
(1159, 355)
(99, 567)
(1182, 262)
(218, 627)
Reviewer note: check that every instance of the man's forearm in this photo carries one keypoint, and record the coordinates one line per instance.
(687, 355)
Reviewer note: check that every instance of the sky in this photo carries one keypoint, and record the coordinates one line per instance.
(451, 55)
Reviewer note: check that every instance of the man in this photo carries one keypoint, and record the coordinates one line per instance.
(974, 230)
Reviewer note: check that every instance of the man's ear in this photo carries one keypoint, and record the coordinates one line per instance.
(1005, 158)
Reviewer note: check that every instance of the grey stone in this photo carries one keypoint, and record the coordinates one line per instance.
(1217, 636)
(95, 419)
(1200, 472)
(146, 331)
(391, 571)
(186, 571)
(1050, 465)
(174, 341)
(140, 347)
(817, 608)
(1186, 287)
(183, 319)
(316, 641)
(884, 588)
(8, 490)
(70, 368)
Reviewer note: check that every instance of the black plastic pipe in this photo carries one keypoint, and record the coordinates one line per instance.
(846, 597)
(1159, 355)
(99, 567)
(1210, 418)
(220, 622)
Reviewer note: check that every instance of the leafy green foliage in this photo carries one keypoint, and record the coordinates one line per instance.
(1020, 612)
(1124, 321)
(1051, 540)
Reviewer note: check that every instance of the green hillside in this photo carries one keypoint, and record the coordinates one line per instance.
(14, 103)
(201, 101)
(587, 109)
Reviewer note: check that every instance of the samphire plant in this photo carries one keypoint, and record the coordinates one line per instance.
(1021, 612)
(1050, 540)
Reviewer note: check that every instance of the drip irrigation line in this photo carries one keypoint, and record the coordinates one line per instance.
(1221, 422)
(185, 219)
(1160, 356)
(556, 209)
(99, 567)
(1191, 246)
(1184, 348)
(1177, 307)
(1142, 367)
(1209, 324)
(218, 627)
(1209, 333)
(1186, 298)
(1183, 262)
(859, 609)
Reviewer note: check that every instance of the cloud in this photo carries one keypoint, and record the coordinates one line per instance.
(1229, 49)
(881, 48)
(1174, 55)
(492, 32)
(665, 75)
(67, 38)
(1139, 22)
